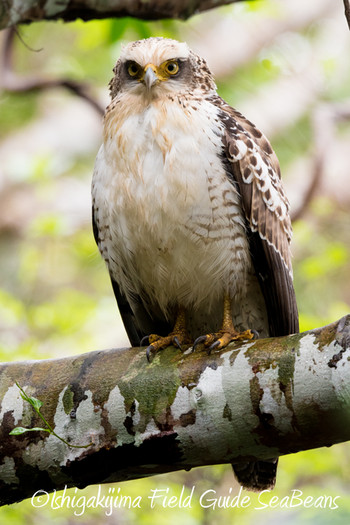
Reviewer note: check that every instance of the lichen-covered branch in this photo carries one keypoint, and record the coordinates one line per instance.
(13, 12)
(258, 400)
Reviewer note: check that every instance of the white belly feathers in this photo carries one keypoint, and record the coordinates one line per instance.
(174, 225)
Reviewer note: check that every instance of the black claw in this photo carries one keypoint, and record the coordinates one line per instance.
(256, 334)
(198, 341)
(148, 352)
(144, 341)
(177, 342)
(212, 346)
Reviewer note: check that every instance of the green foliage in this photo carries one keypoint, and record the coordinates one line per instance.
(246, 78)
(324, 262)
(16, 110)
(294, 141)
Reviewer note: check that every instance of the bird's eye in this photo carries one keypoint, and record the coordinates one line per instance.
(133, 69)
(172, 67)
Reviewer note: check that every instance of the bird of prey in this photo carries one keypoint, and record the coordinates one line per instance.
(190, 214)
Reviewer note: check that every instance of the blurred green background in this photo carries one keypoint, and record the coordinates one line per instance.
(285, 65)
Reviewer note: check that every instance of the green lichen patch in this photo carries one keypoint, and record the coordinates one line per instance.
(68, 402)
(286, 367)
(153, 386)
(325, 336)
(274, 352)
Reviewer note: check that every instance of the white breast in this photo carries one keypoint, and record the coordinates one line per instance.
(174, 229)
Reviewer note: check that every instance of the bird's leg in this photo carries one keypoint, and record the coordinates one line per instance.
(178, 337)
(226, 334)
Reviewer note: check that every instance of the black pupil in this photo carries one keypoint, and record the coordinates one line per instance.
(133, 68)
(171, 67)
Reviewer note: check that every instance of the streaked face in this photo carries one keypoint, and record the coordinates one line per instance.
(156, 65)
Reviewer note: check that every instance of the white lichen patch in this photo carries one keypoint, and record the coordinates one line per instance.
(150, 430)
(45, 454)
(137, 416)
(8, 471)
(224, 420)
(236, 382)
(273, 401)
(210, 435)
(12, 399)
(117, 416)
(20, 7)
(52, 7)
(341, 375)
(182, 403)
(312, 375)
(115, 406)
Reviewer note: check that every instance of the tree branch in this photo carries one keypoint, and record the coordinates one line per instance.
(259, 400)
(16, 84)
(68, 10)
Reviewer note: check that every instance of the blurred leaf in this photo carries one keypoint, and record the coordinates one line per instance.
(16, 110)
(40, 168)
(323, 206)
(11, 309)
(246, 79)
(92, 33)
(69, 310)
(117, 28)
(29, 263)
(338, 309)
(309, 321)
(322, 264)
(50, 225)
(293, 142)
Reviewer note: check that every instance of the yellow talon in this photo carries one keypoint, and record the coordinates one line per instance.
(226, 334)
(178, 337)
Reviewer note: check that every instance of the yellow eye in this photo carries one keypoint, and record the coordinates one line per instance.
(172, 67)
(133, 69)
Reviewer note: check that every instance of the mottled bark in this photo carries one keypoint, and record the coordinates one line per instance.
(258, 400)
(13, 12)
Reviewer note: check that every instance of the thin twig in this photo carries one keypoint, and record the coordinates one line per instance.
(324, 122)
(347, 11)
(16, 84)
(318, 170)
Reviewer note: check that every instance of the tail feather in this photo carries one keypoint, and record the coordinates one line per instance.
(258, 475)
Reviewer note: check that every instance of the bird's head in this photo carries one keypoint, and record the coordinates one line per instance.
(154, 66)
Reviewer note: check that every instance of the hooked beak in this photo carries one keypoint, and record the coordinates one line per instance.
(150, 77)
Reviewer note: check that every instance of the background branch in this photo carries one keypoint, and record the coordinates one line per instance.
(16, 84)
(324, 122)
(32, 10)
(257, 400)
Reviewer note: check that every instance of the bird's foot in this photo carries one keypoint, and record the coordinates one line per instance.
(179, 339)
(222, 338)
